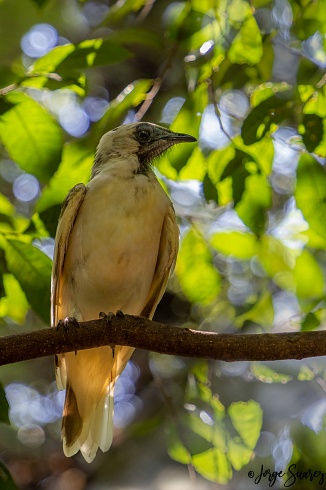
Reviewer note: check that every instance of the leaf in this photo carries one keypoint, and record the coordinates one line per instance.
(4, 407)
(14, 304)
(175, 447)
(31, 136)
(267, 375)
(210, 191)
(70, 58)
(32, 268)
(247, 419)
(313, 131)
(40, 3)
(6, 481)
(74, 168)
(255, 202)
(310, 322)
(271, 111)
(213, 464)
(310, 193)
(261, 313)
(5, 105)
(189, 116)
(277, 261)
(242, 246)
(308, 276)
(92, 53)
(247, 45)
(121, 9)
(195, 270)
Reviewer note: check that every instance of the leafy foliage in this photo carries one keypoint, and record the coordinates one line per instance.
(246, 79)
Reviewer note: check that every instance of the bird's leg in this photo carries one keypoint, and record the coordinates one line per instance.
(108, 317)
(68, 322)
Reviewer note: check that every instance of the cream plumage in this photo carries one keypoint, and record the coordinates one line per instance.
(116, 245)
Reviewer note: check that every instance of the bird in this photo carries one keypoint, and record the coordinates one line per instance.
(115, 247)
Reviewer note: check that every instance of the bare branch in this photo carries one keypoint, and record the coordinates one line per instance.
(142, 333)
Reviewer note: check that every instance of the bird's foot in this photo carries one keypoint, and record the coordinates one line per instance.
(68, 322)
(108, 317)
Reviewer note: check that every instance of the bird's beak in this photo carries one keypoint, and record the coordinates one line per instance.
(179, 137)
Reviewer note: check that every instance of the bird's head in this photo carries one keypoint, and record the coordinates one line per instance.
(142, 140)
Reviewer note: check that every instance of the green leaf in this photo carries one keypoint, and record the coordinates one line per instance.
(277, 261)
(213, 464)
(238, 454)
(242, 246)
(195, 168)
(306, 374)
(308, 276)
(134, 36)
(268, 375)
(189, 116)
(247, 45)
(31, 136)
(247, 419)
(210, 191)
(40, 3)
(197, 275)
(261, 313)
(313, 131)
(121, 9)
(5, 105)
(175, 447)
(256, 200)
(6, 481)
(9, 220)
(310, 322)
(4, 407)
(310, 193)
(70, 58)
(271, 111)
(32, 268)
(14, 304)
(74, 168)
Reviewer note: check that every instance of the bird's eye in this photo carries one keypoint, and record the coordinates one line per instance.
(143, 135)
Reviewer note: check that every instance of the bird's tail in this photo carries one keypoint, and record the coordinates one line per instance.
(90, 376)
(90, 433)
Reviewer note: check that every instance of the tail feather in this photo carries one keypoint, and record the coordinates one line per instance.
(87, 422)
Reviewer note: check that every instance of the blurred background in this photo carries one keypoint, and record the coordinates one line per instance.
(247, 78)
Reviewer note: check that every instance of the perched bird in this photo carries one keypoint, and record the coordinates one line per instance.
(116, 245)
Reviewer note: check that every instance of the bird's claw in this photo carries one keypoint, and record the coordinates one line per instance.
(108, 317)
(68, 322)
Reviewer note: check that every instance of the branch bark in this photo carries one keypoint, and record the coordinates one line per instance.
(142, 333)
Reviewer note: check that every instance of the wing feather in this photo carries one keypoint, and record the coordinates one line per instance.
(167, 254)
(66, 223)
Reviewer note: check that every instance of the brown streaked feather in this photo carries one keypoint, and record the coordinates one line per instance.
(67, 220)
(167, 254)
(72, 423)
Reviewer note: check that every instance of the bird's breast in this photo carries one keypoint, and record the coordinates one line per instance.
(113, 248)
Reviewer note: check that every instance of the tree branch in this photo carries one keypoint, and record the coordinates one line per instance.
(142, 333)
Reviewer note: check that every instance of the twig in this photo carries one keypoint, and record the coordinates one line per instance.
(157, 83)
(142, 333)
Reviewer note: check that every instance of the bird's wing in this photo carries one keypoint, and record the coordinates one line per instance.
(66, 222)
(167, 254)
(68, 215)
